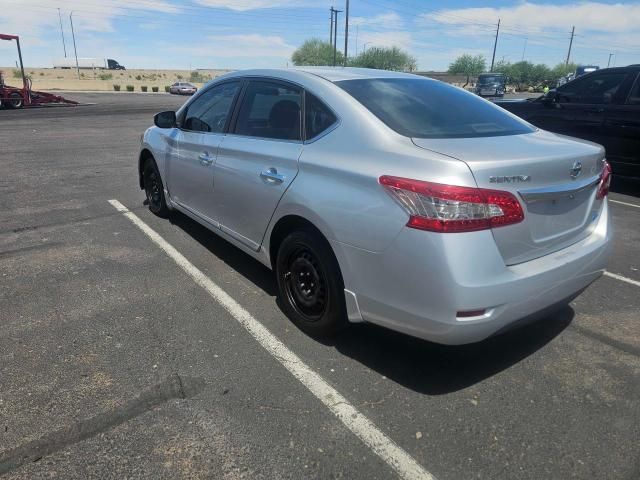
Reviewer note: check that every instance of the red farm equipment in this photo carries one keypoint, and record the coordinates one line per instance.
(15, 97)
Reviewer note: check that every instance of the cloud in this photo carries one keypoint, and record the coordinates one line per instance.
(389, 20)
(588, 16)
(89, 15)
(234, 46)
(244, 5)
(399, 38)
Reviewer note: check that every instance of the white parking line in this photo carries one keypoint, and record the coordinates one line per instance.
(403, 463)
(625, 203)
(622, 279)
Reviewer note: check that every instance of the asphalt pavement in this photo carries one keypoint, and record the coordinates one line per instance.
(116, 363)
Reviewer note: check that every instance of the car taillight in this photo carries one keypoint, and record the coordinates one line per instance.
(605, 181)
(448, 208)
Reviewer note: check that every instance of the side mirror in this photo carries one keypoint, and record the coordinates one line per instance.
(165, 120)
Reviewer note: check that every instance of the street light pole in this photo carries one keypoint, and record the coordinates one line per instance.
(74, 44)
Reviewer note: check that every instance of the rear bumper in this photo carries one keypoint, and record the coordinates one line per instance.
(419, 284)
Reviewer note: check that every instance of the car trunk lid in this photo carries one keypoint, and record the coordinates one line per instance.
(555, 178)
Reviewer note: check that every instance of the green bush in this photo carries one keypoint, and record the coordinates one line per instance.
(179, 77)
(17, 73)
(105, 76)
(144, 88)
(130, 88)
(42, 74)
(167, 88)
(155, 89)
(138, 77)
(116, 87)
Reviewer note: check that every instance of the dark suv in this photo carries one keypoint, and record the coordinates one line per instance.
(602, 106)
(491, 85)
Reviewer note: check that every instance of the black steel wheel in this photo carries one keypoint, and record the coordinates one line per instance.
(15, 101)
(310, 283)
(154, 189)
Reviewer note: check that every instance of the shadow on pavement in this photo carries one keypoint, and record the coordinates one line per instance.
(435, 369)
(422, 366)
(239, 261)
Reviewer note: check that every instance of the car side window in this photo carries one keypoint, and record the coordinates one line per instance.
(317, 116)
(209, 112)
(594, 89)
(634, 95)
(270, 109)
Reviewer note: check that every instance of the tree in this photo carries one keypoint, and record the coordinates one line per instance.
(561, 70)
(317, 53)
(385, 58)
(468, 65)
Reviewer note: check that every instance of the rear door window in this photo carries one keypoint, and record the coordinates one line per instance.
(424, 108)
(270, 109)
(209, 111)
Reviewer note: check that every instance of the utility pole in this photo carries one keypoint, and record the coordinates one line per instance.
(525, 47)
(62, 34)
(331, 27)
(346, 32)
(335, 36)
(609, 62)
(73, 35)
(573, 31)
(495, 45)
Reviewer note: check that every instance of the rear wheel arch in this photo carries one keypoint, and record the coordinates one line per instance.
(286, 225)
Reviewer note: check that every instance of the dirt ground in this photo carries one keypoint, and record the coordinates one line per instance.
(103, 80)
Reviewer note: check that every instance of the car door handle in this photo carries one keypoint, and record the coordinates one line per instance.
(206, 159)
(271, 175)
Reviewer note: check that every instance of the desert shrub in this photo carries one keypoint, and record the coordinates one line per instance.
(42, 74)
(154, 89)
(138, 77)
(116, 87)
(130, 88)
(166, 88)
(82, 75)
(144, 88)
(105, 76)
(179, 77)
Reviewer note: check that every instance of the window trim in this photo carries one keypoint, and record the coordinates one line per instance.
(225, 129)
(257, 78)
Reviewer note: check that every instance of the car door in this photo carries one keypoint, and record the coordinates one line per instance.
(579, 107)
(202, 127)
(622, 127)
(258, 160)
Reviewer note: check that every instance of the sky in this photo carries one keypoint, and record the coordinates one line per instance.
(235, 34)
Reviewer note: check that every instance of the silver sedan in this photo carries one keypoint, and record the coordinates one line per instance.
(183, 88)
(386, 198)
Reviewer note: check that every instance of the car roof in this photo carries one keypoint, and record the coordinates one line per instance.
(332, 74)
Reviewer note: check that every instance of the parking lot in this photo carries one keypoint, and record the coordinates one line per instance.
(115, 362)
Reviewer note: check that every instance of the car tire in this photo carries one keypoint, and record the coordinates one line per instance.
(15, 101)
(310, 284)
(154, 189)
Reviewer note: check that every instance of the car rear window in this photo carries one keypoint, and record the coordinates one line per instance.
(423, 108)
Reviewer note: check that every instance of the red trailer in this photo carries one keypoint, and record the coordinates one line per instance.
(16, 97)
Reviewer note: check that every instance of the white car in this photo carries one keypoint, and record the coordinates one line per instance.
(183, 88)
